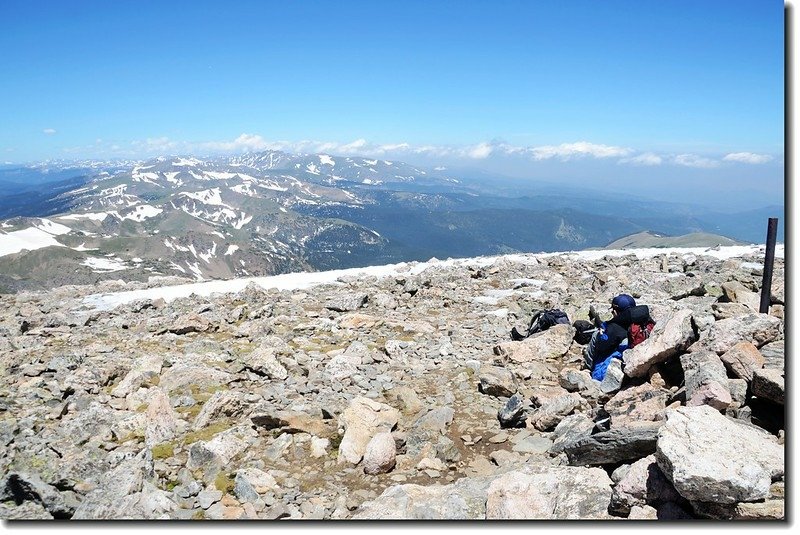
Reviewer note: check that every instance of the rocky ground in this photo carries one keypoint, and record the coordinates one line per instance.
(399, 397)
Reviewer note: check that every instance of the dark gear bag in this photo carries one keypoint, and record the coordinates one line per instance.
(583, 331)
(541, 321)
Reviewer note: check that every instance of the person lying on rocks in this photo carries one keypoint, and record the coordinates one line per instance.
(629, 326)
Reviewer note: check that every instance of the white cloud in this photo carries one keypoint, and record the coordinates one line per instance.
(747, 157)
(49, 131)
(693, 160)
(566, 151)
(480, 151)
(646, 158)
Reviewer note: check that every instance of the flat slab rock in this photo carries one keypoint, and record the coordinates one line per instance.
(712, 458)
(532, 492)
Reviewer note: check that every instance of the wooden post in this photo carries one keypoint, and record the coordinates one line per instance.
(769, 262)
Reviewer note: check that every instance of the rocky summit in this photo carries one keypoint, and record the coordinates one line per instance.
(400, 396)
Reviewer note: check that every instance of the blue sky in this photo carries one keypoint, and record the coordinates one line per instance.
(517, 86)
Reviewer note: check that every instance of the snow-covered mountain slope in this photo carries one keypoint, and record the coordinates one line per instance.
(271, 212)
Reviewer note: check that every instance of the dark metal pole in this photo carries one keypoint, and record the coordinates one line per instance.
(769, 262)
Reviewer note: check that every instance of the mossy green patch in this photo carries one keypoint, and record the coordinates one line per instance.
(164, 450)
(223, 482)
(206, 433)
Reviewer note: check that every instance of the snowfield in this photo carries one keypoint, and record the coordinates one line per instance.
(36, 237)
(300, 281)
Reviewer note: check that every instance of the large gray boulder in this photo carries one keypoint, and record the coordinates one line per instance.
(497, 381)
(712, 458)
(769, 384)
(669, 338)
(264, 361)
(551, 412)
(428, 430)
(346, 302)
(706, 380)
(542, 492)
(550, 344)
(570, 429)
(615, 445)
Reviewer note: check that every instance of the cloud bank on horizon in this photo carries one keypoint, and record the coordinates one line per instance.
(563, 152)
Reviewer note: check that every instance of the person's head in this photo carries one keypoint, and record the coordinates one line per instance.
(621, 303)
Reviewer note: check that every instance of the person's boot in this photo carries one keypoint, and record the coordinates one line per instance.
(594, 317)
(516, 335)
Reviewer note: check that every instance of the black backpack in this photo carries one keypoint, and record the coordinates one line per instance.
(541, 321)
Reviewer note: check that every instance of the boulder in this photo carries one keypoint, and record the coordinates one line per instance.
(743, 359)
(712, 458)
(612, 380)
(769, 384)
(542, 492)
(736, 292)
(190, 323)
(497, 381)
(643, 403)
(643, 484)
(669, 338)
(428, 430)
(463, 500)
(570, 429)
(222, 404)
(380, 454)
(551, 412)
(546, 345)
(758, 329)
(162, 423)
(580, 381)
(773, 354)
(512, 414)
(615, 445)
(706, 380)
(346, 302)
(360, 421)
(117, 489)
(264, 362)
(23, 487)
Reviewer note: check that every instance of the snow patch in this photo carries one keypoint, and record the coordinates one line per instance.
(55, 229)
(181, 162)
(231, 249)
(104, 265)
(98, 216)
(324, 159)
(142, 212)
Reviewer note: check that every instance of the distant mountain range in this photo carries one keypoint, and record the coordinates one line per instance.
(271, 212)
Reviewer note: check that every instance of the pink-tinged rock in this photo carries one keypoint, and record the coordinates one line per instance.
(380, 455)
(743, 359)
(668, 339)
(550, 344)
(362, 420)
